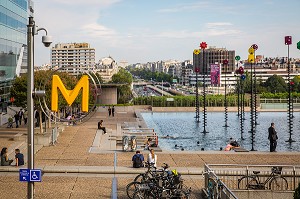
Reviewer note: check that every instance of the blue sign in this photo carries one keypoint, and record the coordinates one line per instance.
(24, 175)
(27, 175)
(35, 175)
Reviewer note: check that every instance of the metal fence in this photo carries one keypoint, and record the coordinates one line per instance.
(224, 190)
(231, 173)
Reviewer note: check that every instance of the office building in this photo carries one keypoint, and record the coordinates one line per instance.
(13, 40)
(73, 57)
(214, 55)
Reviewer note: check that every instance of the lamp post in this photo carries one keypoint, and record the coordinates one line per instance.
(31, 31)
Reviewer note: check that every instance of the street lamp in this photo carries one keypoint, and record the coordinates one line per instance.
(31, 93)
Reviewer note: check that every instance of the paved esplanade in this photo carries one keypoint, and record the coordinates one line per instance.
(73, 153)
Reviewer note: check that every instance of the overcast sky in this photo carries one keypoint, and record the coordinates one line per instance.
(153, 30)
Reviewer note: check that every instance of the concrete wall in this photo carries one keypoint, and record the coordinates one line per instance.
(193, 109)
(108, 96)
(266, 194)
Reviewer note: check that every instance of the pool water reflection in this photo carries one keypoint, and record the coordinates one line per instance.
(185, 132)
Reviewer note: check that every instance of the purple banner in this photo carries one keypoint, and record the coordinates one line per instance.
(215, 74)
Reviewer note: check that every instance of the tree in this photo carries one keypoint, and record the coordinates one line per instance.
(19, 91)
(296, 85)
(275, 84)
(124, 91)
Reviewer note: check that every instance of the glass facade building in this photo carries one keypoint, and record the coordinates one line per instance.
(13, 39)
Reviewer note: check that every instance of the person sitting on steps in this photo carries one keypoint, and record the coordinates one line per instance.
(138, 160)
(100, 126)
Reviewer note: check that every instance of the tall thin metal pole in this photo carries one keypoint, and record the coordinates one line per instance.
(252, 131)
(197, 100)
(290, 101)
(204, 93)
(30, 88)
(225, 64)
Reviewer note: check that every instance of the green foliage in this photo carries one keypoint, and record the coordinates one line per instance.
(19, 91)
(124, 91)
(148, 75)
(275, 84)
(187, 101)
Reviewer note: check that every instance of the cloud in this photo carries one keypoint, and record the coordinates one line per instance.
(98, 30)
(185, 7)
(221, 28)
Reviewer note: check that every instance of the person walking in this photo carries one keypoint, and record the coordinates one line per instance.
(272, 137)
(113, 111)
(109, 111)
(16, 116)
(20, 116)
(25, 116)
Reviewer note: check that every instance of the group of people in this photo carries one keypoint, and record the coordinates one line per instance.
(138, 159)
(111, 111)
(5, 161)
(19, 116)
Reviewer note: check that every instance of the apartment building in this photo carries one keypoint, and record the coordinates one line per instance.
(73, 57)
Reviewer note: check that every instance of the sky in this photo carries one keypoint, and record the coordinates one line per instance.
(139, 31)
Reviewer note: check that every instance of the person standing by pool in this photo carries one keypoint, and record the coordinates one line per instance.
(272, 137)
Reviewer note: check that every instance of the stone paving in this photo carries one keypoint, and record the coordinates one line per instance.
(73, 148)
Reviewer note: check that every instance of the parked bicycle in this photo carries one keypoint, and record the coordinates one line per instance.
(156, 183)
(274, 181)
(214, 185)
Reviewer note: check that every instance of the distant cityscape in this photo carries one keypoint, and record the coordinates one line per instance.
(73, 57)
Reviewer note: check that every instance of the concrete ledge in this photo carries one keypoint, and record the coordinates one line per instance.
(99, 169)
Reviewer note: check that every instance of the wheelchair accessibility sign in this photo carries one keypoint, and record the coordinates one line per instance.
(33, 175)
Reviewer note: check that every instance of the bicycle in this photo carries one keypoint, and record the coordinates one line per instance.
(214, 187)
(273, 182)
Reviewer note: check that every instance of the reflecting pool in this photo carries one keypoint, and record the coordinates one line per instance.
(185, 132)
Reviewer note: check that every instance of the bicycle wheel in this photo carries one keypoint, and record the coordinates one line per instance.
(143, 177)
(278, 183)
(131, 189)
(138, 194)
(247, 182)
(212, 189)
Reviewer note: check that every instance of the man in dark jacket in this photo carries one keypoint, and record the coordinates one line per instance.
(272, 137)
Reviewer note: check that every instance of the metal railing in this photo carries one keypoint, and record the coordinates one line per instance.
(231, 173)
(54, 135)
(224, 191)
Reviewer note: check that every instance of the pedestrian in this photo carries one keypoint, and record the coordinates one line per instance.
(100, 126)
(16, 116)
(113, 111)
(4, 158)
(272, 137)
(25, 116)
(109, 111)
(20, 116)
(152, 158)
(19, 158)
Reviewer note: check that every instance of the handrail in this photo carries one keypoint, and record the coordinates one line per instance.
(223, 187)
(246, 167)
